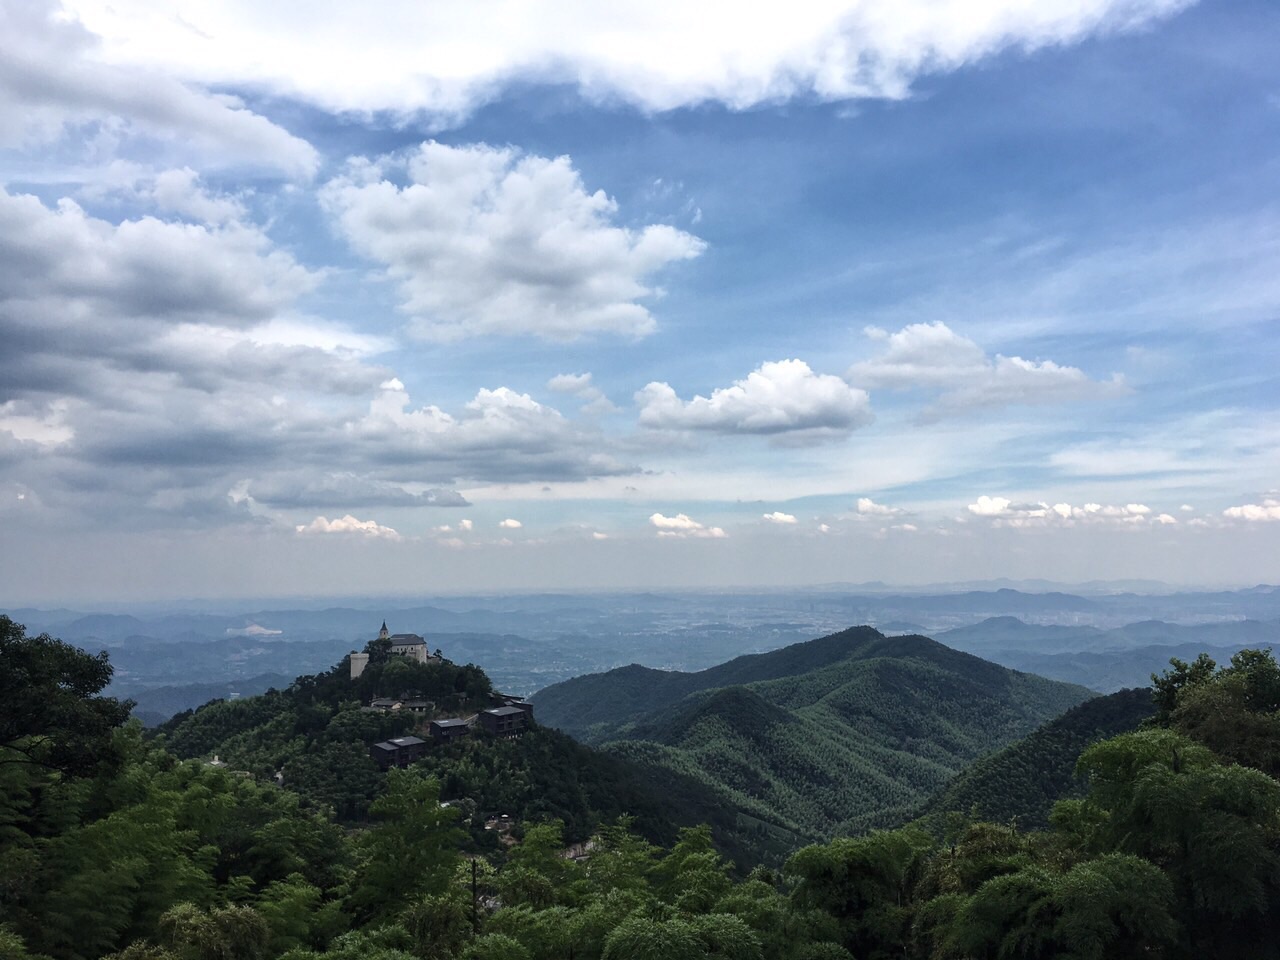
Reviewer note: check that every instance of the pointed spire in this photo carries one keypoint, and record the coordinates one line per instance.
(384, 633)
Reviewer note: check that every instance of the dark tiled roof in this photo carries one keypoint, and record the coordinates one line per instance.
(451, 722)
(401, 639)
(406, 741)
(504, 711)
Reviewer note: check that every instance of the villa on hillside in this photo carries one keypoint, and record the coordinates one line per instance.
(507, 721)
(408, 645)
(398, 751)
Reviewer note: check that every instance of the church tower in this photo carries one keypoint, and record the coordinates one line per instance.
(384, 633)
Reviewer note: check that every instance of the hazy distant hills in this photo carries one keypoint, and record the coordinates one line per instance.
(1093, 634)
(837, 734)
(1106, 660)
(1027, 777)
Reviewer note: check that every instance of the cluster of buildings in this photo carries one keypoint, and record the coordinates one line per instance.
(510, 717)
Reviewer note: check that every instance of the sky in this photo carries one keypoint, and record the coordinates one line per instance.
(300, 299)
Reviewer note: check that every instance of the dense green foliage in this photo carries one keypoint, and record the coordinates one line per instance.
(316, 736)
(1172, 852)
(1025, 779)
(51, 713)
(839, 735)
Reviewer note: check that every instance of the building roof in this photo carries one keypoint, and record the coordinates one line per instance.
(451, 722)
(395, 743)
(504, 711)
(405, 639)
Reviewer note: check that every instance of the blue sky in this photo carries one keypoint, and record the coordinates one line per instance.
(519, 296)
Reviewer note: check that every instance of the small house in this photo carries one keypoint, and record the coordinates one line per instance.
(398, 751)
(506, 721)
(444, 731)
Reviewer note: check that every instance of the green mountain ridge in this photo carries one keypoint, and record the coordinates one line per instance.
(837, 735)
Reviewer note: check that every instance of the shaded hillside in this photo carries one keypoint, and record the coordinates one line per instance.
(315, 736)
(839, 734)
(1026, 778)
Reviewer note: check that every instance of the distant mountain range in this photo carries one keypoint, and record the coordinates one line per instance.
(1106, 660)
(835, 735)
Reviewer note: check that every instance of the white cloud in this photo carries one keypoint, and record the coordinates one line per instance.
(1186, 508)
(56, 75)
(348, 524)
(580, 386)
(779, 398)
(465, 525)
(180, 192)
(1004, 512)
(446, 60)
(43, 426)
(510, 524)
(868, 507)
(778, 517)
(59, 267)
(682, 525)
(1165, 518)
(1267, 510)
(484, 240)
(989, 506)
(597, 535)
(933, 357)
(499, 435)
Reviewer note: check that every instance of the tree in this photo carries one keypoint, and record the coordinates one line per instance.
(412, 852)
(50, 711)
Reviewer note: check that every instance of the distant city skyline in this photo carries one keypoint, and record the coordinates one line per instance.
(537, 296)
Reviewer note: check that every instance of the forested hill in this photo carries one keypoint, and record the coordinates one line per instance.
(837, 735)
(112, 848)
(598, 706)
(1026, 778)
(314, 737)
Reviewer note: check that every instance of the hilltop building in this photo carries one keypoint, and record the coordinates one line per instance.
(402, 645)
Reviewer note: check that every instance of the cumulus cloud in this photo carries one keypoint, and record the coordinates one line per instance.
(56, 74)
(868, 507)
(932, 357)
(498, 435)
(1005, 512)
(510, 524)
(485, 240)
(60, 266)
(416, 56)
(779, 517)
(682, 525)
(149, 366)
(347, 525)
(1268, 509)
(580, 386)
(782, 398)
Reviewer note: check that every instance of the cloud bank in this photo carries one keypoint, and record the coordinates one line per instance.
(446, 60)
